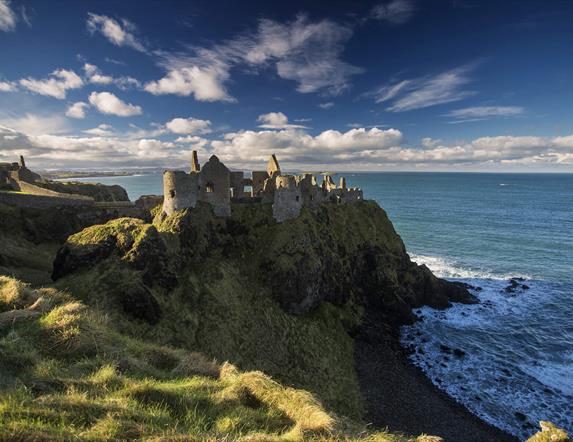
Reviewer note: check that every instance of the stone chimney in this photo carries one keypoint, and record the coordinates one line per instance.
(22, 162)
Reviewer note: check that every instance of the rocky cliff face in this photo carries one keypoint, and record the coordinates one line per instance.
(283, 298)
(336, 254)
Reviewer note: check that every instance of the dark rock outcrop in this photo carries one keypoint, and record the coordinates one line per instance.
(131, 240)
(335, 254)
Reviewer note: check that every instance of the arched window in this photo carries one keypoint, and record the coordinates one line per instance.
(209, 188)
(172, 193)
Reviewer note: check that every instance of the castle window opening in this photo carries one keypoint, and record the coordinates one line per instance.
(209, 188)
(297, 197)
(172, 193)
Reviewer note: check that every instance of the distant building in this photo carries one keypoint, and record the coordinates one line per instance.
(215, 184)
(13, 173)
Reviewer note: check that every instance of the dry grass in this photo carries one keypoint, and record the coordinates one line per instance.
(68, 375)
(549, 433)
(299, 405)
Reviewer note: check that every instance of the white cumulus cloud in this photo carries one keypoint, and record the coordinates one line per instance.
(297, 146)
(8, 86)
(77, 110)
(103, 130)
(308, 53)
(188, 126)
(276, 120)
(56, 85)
(108, 103)
(204, 83)
(95, 76)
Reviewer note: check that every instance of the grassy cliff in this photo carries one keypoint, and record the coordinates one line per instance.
(281, 298)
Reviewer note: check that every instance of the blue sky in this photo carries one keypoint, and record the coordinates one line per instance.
(394, 85)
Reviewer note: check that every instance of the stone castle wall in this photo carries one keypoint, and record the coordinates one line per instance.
(23, 186)
(41, 201)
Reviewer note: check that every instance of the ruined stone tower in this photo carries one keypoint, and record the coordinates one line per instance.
(287, 198)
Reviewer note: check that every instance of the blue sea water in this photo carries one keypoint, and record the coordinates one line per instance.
(484, 229)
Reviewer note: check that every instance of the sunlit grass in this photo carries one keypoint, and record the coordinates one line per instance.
(69, 375)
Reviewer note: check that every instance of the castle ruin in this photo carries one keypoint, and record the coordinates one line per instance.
(11, 174)
(215, 184)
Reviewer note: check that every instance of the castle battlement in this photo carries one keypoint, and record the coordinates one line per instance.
(215, 184)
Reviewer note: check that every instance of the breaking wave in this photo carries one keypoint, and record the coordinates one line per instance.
(501, 358)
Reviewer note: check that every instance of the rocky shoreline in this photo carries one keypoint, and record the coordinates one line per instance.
(384, 370)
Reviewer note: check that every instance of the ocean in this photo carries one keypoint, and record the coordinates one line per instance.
(508, 359)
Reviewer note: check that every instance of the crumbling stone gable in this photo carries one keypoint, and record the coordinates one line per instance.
(327, 183)
(273, 168)
(195, 166)
(215, 185)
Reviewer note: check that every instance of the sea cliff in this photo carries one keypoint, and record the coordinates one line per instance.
(144, 315)
(285, 298)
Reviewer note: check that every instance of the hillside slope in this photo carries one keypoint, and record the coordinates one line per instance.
(67, 374)
(282, 298)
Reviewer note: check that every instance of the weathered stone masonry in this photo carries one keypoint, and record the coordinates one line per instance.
(218, 186)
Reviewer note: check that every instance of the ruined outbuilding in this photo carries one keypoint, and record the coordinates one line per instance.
(215, 184)
(11, 174)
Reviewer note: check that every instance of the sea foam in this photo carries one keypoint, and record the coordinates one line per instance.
(497, 357)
